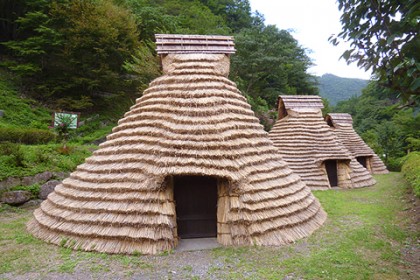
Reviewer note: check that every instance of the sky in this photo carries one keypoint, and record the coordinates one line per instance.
(312, 22)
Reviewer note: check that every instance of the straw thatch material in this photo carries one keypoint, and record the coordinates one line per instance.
(191, 121)
(305, 142)
(342, 125)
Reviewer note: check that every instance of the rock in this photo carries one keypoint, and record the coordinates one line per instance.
(1, 113)
(38, 178)
(61, 175)
(48, 188)
(44, 176)
(32, 203)
(9, 182)
(16, 197)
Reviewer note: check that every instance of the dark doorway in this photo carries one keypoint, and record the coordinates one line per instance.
(331, 167)
(196, 206)
(362, 161)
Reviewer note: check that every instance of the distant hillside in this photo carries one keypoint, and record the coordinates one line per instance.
(337, 89)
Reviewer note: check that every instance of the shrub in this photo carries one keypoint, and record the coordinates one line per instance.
(394, 164)
(411, 171)
(42, 156)
(15, 155)
(26, 135)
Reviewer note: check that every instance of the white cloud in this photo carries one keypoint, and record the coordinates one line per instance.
(312, 22)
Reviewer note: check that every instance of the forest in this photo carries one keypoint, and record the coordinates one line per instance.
(89, 63)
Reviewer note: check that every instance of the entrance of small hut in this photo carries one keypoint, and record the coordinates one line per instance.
(362, 161)
(196, 206)
(331, 168)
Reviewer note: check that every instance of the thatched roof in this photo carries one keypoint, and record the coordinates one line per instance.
(191, 121)
(301, 101)
(305, 142)
(335, 119)
(342, 125)
(175, 43)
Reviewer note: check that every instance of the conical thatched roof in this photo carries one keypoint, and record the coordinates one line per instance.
(342, 125)
(306, 142)
(190, 121)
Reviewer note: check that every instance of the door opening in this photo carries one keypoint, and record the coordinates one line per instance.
(362, 161)
(196, 206)
(331, 168)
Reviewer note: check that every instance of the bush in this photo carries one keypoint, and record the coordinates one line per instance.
(395, 164)
(14, 153)
(28, 136)
(411, 171)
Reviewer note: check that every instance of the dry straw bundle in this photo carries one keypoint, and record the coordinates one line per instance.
(342, 125)
(190, 121)
(307, 144)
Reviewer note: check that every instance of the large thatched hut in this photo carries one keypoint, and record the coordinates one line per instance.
(189, 159)
(311, 149)
(342, 126)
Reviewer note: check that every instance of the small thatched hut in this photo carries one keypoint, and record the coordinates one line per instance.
(312, 150)
(189, 159)
(342, 125)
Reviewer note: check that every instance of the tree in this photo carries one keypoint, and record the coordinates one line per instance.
(68, 59)
(269, 62)
(236, 13)
(384, 37)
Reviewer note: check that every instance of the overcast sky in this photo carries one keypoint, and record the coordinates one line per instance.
(312, 22)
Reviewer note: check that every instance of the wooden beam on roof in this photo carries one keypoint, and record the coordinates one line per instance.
(177, 43)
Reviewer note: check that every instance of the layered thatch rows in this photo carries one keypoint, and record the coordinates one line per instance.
(342, 125)
(306, 143)
(191, 121)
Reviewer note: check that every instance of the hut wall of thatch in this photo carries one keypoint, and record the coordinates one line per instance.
(305, 142)
(342, 125)
(192, 121)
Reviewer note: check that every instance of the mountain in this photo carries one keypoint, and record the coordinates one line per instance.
(337, 89)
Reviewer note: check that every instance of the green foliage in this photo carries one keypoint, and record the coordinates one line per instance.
(13, 153)
(262, 111)
(26, 135)
(413, 144)
(389, 128)
(269, 62)
(33, 189)
(337, 89)
(20, 111)
(384, 36)
(394, 164)
(74, 59)
(39, 158)
(236, 13)
(143, 64)
(411, 171)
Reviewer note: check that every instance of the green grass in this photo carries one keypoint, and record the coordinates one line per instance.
(363, 238)
(18, 111)
(40, 158)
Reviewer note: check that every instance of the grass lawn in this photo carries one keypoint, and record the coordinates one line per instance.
(369, 234)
